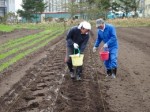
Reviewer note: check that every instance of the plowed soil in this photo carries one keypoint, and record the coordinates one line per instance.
(40, 82)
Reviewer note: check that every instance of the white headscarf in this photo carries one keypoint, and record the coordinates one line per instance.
(85, 25)
(80, 25)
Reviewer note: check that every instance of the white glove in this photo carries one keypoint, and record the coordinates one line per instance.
(76, 46)
(105, 45)
(78, 54)
(94, 49)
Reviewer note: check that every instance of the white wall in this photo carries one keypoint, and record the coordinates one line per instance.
(10, 5)
(147, 8)
(13, 5)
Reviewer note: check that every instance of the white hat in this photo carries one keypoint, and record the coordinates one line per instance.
(85, 25)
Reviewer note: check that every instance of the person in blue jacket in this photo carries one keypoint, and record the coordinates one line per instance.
(77, 38)
(107, 34)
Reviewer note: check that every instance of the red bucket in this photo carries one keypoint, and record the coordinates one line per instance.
(104, 55)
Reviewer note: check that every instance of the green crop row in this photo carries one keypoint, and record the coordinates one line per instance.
(12, 41)
(15, 42)
(21, 47)
(29, 44)
(27, 52)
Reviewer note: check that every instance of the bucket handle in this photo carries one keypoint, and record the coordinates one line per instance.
(78, 51)
(102, 49)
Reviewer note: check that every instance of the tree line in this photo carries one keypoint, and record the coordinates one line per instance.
(89, 8)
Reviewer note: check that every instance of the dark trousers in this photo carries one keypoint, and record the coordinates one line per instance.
(78, 69)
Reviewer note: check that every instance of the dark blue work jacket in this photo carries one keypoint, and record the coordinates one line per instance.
(74, 36)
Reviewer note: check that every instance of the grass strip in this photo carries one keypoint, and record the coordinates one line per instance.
(12, 27)
(130, 22)
(6, 28)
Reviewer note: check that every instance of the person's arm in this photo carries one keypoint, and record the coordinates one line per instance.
(98, 41)
(113, 36)
(83, 45)
(69, 38)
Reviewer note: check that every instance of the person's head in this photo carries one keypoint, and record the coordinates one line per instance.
(100, 23)
(85, 27)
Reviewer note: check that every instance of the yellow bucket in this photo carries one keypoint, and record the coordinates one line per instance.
(77, 60)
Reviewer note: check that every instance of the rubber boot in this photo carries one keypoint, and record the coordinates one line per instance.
(72, 75)
(108, 72)
(70, 66)
(78, 71)
(114, 71)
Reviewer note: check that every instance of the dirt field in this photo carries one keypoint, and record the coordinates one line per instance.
(40, 82)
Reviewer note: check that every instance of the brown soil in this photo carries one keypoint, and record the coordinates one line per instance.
(40, 82)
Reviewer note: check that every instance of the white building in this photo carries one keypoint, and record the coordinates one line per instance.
(147, 8)
(6, 6)
(9, 6)
(3, 7)
(56, 5)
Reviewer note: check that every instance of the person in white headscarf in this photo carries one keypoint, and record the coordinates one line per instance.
(77, 38)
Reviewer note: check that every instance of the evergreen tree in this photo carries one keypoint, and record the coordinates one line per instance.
(72, 8)
(31, 8)
(134, 6)
(130, 5)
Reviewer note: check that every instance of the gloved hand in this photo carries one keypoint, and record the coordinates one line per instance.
(78, 54)
(94, 49)
(75, 45)
(105, 45)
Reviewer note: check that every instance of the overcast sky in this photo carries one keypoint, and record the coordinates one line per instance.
(18, 4)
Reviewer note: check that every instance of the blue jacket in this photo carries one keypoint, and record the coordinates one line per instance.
(74, 36)
(107, 36)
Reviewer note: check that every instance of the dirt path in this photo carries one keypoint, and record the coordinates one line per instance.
(134, 64)
(43, 83)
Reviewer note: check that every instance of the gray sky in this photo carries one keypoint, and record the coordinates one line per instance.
(18, 4)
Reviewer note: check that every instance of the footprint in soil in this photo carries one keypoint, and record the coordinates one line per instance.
(40, 94)
(28, 98)
(33, 105)
(136, 73)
